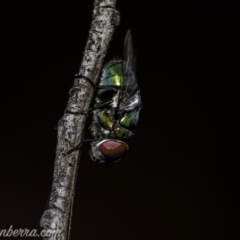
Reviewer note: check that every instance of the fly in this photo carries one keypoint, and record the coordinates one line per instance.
(116, 112)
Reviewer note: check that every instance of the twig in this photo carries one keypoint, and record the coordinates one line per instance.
(57, 217)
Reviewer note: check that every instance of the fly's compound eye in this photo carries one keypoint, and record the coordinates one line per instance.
(113, 150)
(106, 94)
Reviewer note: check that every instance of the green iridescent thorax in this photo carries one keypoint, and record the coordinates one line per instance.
(120, 129)
(104, 119)
(120, 132)
(128, 120)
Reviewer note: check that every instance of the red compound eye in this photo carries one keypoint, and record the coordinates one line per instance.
(113, 150)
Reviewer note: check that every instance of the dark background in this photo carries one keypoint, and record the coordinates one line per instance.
(180, 180)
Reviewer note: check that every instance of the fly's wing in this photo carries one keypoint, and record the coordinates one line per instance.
(129, 59)
(129, 93)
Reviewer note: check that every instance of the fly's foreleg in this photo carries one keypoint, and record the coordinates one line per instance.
(87, 142)
(93, 84)
(99, 106)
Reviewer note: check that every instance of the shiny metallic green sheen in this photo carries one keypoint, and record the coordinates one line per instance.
(116, 131)
(120, 132)
(114, 80)
(104, 119)
(114, 76)
(128, 120)
(114, 69)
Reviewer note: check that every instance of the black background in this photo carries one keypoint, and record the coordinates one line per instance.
(180, 179)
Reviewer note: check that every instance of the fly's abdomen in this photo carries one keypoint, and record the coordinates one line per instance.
(113, 75)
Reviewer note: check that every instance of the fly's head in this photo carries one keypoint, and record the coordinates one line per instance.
(108, 150)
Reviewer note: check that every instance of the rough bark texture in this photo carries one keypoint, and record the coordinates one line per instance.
(70, 127)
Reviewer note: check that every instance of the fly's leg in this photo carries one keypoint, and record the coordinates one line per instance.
(93, 84)
(88, 80)
(99, 106)
(87, 142)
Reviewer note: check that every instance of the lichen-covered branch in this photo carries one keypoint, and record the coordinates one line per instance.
(57, 217)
